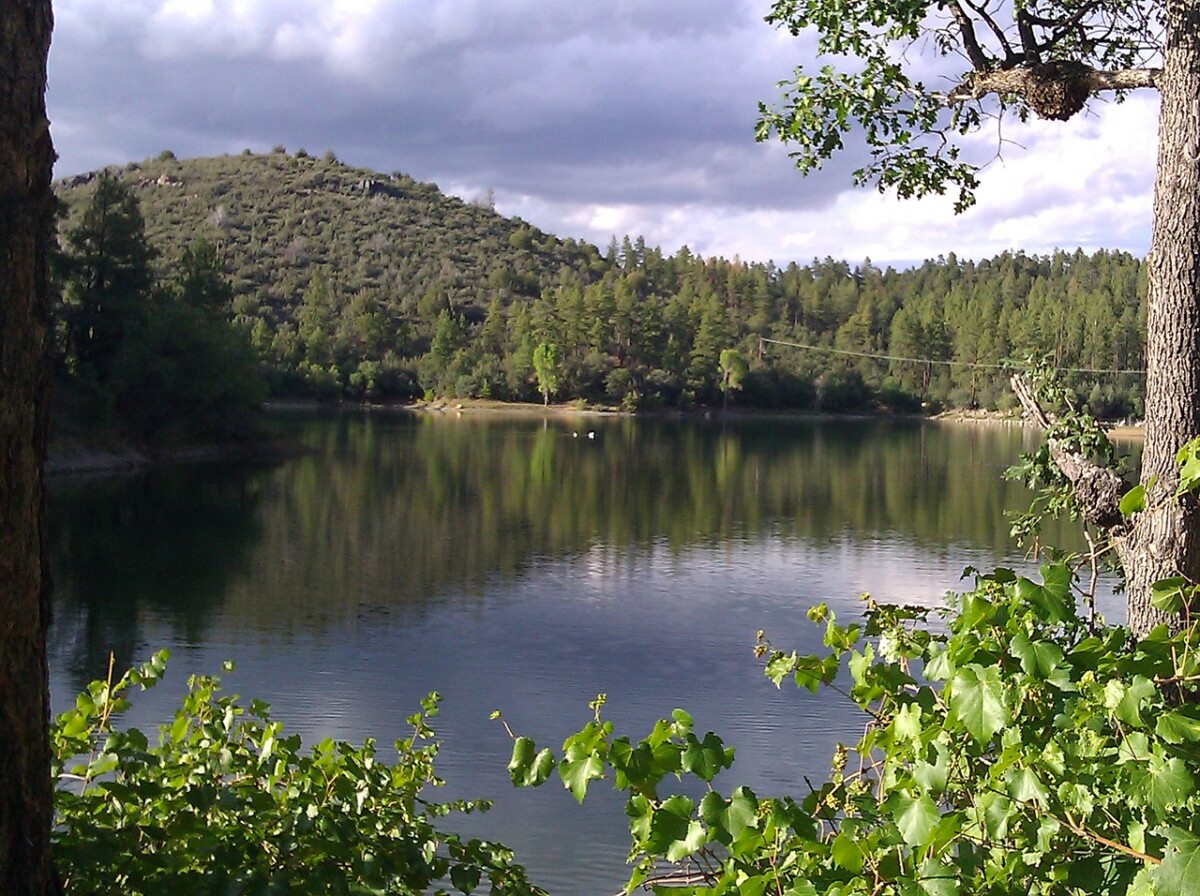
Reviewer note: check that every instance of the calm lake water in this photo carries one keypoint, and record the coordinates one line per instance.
(517, 564)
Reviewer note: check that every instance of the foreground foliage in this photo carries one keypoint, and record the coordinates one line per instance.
(227, 803)
(1012, 746)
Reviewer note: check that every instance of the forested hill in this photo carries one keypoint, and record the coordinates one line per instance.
(357, 284)
(280, 219)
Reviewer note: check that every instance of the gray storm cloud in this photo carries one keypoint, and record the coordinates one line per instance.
(647, 106)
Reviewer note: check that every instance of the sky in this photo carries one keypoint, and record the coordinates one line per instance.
(588, 118)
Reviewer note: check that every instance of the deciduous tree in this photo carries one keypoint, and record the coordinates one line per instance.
(733, 370)
(545, 365)
(1046, 58)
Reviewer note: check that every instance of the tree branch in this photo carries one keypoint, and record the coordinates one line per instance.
(970, 42)
(1081, 831)
(981, 11)
(1055, 90)
(1028, 42)
(1062, 29)
(1097, 489)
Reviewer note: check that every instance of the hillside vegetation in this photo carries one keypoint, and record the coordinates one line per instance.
(356, 284)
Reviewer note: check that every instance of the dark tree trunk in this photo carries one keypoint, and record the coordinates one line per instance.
(1166, 541)
(26, 222)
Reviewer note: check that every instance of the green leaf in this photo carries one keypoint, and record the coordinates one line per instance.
(690, 843)
(1056, 583)
(1166, 595)
(1024, 786)
(1179, 725)
(781, 665)
(742, 812)
(1134, 501)
(977, 700)
(705, 758)
(846, 853)
(465, 878)
(907, 723)
(528, 768)
(1038, 659)
(671, 827)
(1143, 882)
(915, 817)
(1188, 459)
(813, 671)
(577, 773)
(1167, 783)
(940, 666)
(1127, 701)
(937, 879)
(1179, 873)
(1077, 798)
(103, 764)
(1134, 747)
(996, 811)
(712, 808)
(633, 767)
(931, 777)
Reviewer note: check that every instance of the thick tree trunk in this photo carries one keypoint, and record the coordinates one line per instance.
(26, 221)
(1166, 541)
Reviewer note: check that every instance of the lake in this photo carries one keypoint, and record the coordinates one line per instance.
(515, 563)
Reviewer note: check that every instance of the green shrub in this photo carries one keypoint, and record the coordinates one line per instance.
(894, 397)
(227, 803)
(842, 390)
(1011, 745)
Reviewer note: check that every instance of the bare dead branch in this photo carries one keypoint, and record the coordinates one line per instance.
(682, 877)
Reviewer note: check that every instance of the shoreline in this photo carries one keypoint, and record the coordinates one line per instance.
(78, 459)
(75, 458)
(1117, 430)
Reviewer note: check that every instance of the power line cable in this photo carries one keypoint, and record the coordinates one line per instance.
(969, 364)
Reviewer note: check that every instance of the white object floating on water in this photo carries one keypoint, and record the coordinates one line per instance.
(591, 435)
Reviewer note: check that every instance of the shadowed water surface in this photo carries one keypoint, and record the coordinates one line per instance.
(518, 564)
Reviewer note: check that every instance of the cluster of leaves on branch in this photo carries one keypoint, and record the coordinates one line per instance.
(1012, 745)
(227, 802)
(360, 285)
(1044, 58)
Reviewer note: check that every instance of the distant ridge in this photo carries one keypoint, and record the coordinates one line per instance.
(365, 286)
(279, 218)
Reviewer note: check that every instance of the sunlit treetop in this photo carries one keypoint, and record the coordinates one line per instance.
(990, 58)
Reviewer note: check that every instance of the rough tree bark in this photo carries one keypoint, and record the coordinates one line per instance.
(1164, 540)
(26, 221)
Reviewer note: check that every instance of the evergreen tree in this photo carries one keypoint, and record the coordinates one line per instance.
(107, 278)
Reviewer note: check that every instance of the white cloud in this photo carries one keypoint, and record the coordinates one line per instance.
(588, 119)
